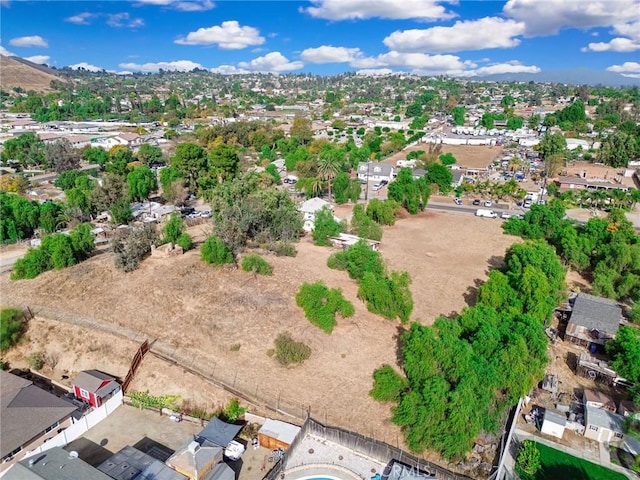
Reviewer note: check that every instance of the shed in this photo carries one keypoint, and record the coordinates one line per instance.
(553, 423)
(276, 434)
(94, 387)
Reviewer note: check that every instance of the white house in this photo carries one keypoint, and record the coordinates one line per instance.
(309, 208)
(603, 426)
(374, 171)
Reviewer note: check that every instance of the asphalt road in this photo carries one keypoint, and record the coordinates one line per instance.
(470, 209)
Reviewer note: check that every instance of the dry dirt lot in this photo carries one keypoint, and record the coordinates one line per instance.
(200, 312)
(470, 156)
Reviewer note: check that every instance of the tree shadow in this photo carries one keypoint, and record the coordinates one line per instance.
(471, 294)
(400, 330)
(555, 472)
(495, 262)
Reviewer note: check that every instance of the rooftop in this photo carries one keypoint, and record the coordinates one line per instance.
(603, 418)
(596, 313)
(54, 464)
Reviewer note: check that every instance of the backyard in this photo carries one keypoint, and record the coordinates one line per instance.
(556, 465)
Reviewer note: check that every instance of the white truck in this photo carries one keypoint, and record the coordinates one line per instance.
(482, 212)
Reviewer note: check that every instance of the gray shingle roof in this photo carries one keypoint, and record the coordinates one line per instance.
(53, 464)
(130, 463)
(596, 313)
(90, 380)
(26, 411)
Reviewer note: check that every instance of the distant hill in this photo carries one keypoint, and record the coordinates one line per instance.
(578, 76)
(18, 72)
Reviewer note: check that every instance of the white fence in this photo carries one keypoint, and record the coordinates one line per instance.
(80, 426)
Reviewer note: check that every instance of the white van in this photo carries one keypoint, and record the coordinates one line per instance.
(481, 212)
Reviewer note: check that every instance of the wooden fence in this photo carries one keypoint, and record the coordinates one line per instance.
(135, 363)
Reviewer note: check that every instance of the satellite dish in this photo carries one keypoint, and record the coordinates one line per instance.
(73, 454)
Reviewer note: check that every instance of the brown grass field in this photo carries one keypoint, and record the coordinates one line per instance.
(469, 156)
(200, 312)
(18, 74)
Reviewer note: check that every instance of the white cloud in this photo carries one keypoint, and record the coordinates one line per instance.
(615, 45)
(549, 16)
(429, 63)
(177, 65)
(272, 62)
(372, 72)
(228, 70)
(626, 67)
(40, 59)
(363, 9)
(85, 66)
(29, 41)
(6, 53)
(119, 20)
(631, 29)
(488, 32)
(511, 67)
(182, 5)
(229, 36)
(81, 18)
(330, 54)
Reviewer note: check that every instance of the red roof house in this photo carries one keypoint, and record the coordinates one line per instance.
(94, 387)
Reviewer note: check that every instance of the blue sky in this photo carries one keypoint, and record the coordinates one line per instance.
(460, 38)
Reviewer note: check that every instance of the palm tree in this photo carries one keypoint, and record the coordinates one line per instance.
(330, 163)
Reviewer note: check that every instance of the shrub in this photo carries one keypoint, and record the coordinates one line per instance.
(320, 304)
(215, 252)
(388, 296)
(11, 327)
(255, 263)
(184, 240)
(325, 226)
(388, 384)
(635, 312)
(232, 411)
(36, 361)
(288, 351)
(528, 460)
(363, 226)
(173, 229)
(382, 212)
(131, 248)
(4, 364)
(283, 249)
(357, 260)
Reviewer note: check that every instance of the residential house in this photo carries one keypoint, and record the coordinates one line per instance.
(593, 321)
(94, 387)
(309, 208)
(128, 139)
(54, 464)
(29, 416)
(219, 433)
(553, 423)
(603, 426)
(598, 399)
(578, 183)
(276, 434)
(374, 171)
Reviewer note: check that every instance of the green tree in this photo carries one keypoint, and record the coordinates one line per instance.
(301, 128)
(173, 228)
(26, 148)
(440, 175)
(330, 163)
(149, 154)
(321, 304)
(11, 327)
(363, 226)
(382, 212)
(412, 194)
(624, 351)
(141, 181)
(341, 188)
(617, 149)
(387, 384)
(324, 227)
(97, 155)
(189, 160)
(447, 159)
(552, 144)
(119, 158)
(388, 296)
(214, 251)
(121, 213)
(528, 460)
(224, 160)
(458, 115)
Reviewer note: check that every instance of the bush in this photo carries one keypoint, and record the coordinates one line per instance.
(173, 229)
(382, 212)
(528, 460)
(131, 248)
(635, 312)
(388, 296)
(283, 249)
(232, 411)
(388, 384)
(215, 252)
(36, 361)
(255, 263)
(320, 304)
(11, 327)
(357, 260)
(288, 351)
(184, 240)
(363, 226)
(325, 226)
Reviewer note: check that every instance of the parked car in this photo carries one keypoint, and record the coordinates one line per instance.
(527, 204)
(457, 201)
(488, 203)
(377, 187)
(476, 202)
(505, 215)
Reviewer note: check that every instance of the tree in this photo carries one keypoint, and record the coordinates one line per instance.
(119, 158)
(132, 247)
(121, 213)
(27, 149)
(97, 155)
(321, 304)
(439, 175)
(149, 154)
(325, 226)
(301, 128)
(363, 226)
(624, 351)
(413, 110)
(61, 156)
(189, 160)
(412, 194)
(514, 123)
(458, 115)
(382, 212)
(447, 159)
(528, 460)
(215, 252)
(141, 181)
(617, 149)
(224, 160)
(552, 144)
(173, 228)
(387, 384)
(330, 162)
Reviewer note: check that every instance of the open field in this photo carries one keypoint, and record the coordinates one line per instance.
(470, 156)
(200, 312)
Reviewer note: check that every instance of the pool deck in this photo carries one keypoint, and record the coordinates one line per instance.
(317, 457)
